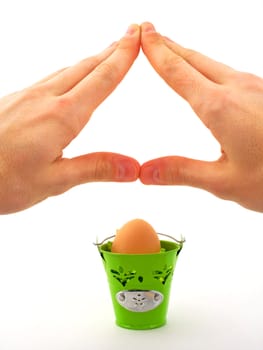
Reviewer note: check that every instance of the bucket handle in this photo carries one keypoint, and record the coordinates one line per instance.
(158, 233)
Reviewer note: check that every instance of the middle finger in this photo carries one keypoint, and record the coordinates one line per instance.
(183, 78)
(65, 80)
(213, 70)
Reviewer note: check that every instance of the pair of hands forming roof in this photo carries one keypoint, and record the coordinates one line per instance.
(37, 123)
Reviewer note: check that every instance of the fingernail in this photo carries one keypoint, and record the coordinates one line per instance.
(148, 27)
(131, 29)
(127, 170)
(150, 175)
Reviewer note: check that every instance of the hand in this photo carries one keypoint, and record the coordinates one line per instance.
(38, 123)
(230, 104)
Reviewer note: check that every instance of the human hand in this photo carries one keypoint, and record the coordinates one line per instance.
(36, 124)
(230, 104)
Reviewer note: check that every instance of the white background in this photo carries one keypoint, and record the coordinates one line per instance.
(53, 290)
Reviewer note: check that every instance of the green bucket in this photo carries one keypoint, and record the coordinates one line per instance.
(140, 284)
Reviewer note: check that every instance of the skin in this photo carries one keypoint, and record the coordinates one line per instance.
(230, 104)
(36, 124)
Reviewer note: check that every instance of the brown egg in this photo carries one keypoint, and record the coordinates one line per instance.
(136, 237)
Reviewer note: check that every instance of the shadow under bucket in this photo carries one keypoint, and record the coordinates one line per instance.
(140, 284)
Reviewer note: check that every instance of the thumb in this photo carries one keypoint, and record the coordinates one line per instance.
(174, 170)
(93, 167)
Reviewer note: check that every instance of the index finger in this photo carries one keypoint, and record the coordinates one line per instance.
(213, 70)
(187, 81)
(96, 86)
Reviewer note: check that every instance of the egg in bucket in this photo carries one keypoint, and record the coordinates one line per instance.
(139, 269)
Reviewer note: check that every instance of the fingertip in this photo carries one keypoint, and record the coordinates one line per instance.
(149, 36)
(147, 27)
(131, 39)
(128, 169)
(149, 174)
(133, 30)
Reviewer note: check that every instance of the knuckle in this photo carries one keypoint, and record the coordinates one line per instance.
(176, 175)
(90, 62)
(189, 54)
(103, 170)
(170, 64)
(107, 71)
(171, 171)
(63, 105)
(212, 106)
(32, 93)
(248, 81)
(62, 109)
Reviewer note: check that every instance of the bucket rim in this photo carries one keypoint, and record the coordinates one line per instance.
(181, 241)
(167, 247)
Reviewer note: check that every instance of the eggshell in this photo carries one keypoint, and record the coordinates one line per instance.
(136, 237)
